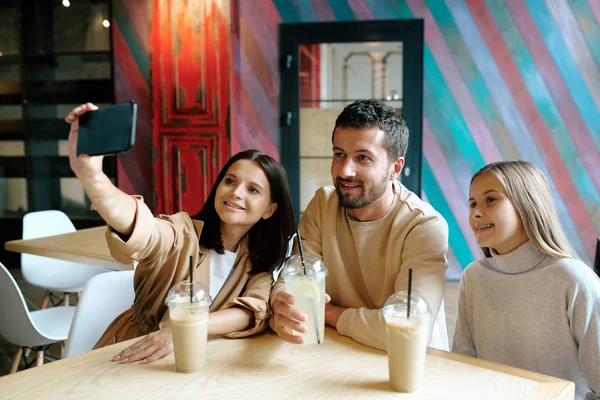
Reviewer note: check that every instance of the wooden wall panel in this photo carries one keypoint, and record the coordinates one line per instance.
(184, 156)
(190, 82)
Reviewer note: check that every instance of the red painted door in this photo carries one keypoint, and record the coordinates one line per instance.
(191, 99)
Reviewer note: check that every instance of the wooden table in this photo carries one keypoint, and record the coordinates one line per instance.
(266, 367)
(86, 246)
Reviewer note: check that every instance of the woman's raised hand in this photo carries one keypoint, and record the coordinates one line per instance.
(84, 166)
(115, 207)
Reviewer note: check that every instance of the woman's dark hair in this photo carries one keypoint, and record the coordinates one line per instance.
(268, 238)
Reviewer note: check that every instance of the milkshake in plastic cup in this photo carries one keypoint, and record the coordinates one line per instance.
(407, 339)
(309, 293)
(189, 324)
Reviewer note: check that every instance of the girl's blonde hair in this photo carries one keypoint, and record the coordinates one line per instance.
(529, 192)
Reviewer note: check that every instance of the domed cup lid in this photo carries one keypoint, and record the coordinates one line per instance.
(179, 295)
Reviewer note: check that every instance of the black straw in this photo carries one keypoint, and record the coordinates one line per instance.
(191, 280)
(409, 289)
(301, 250)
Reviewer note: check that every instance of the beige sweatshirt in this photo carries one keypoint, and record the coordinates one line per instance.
(163, 246)
(369, 261)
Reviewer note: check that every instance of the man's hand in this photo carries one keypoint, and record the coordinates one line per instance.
(332, 313)
(286, 318)
(154, 346)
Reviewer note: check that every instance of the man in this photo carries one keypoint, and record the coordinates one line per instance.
(369, 230)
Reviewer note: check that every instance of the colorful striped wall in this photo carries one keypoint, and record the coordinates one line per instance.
(504, 80)
(131, 64)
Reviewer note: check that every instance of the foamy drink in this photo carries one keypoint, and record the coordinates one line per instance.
(189, 324)
(407, 339)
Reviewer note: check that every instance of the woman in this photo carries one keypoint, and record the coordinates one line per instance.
(235, 241)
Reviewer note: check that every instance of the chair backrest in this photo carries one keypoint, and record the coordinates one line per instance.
(41, 224)
(46, 223)
(41, 271)
(15, 323)
(104, 297)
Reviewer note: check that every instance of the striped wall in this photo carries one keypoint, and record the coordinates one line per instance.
(504, 80)
(131, 64)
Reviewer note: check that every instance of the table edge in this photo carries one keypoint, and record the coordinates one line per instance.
(494, 366)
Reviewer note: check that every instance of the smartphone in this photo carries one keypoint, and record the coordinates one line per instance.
(109, 130)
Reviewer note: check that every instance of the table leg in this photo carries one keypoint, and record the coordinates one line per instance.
(40, 358)
(15, 363)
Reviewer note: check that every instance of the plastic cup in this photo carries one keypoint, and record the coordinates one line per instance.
(307, 284)
(407, 338)
(189, 324)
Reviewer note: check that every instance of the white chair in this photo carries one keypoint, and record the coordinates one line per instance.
(47, 273)
(103, 298)
(35, 330)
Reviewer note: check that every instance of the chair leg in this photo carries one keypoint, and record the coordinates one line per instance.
(78, 296)
(45, 300)
(62, 349)
(27, 352)
(40, 358)
(16, 360)
(67, 296)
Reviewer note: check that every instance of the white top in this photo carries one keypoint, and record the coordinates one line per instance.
(220, 268)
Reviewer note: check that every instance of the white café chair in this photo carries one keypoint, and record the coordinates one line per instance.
(104, 297)
(48, 273)
(35, 330)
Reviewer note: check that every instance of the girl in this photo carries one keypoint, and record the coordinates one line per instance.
(236, 240)
(530, 303)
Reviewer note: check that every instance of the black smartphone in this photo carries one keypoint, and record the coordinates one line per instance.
(109, 130)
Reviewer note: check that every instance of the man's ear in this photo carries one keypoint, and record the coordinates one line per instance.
(396, 168)
(270, 211)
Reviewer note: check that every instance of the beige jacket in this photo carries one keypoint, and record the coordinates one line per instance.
(162, 247)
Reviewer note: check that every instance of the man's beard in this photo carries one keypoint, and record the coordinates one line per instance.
(367, 195)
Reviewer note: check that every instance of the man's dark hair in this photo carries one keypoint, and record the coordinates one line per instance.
(366, 114)
(268, 238)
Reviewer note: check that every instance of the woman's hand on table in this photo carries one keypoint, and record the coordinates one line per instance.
(154, 346)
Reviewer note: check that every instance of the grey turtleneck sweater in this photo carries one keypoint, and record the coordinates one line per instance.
(535, 312)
